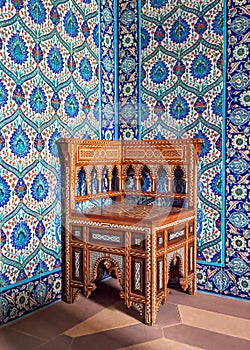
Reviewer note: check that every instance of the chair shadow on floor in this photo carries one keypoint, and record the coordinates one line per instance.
(107, 295)
(108, 289)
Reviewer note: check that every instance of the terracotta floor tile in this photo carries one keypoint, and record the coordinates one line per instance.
(114, 339)
(161, 344)
(140, 333)
(11, 340)
(97, 342)
(62, 342)
(107, 319)
(228, 306)
(43, 330)
(58, 317)
(51, 321)
(215, 322)
(168, 315)
(205, 339)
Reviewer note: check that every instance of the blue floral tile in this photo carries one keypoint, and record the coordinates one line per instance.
(151, 75)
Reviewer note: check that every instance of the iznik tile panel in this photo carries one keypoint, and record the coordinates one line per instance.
(234, 278)
(181, 95)
(49, 86)
(120, 69)
(128, 69)
(108, 106)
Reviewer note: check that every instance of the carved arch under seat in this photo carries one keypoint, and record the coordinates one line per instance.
(114, 263)
(139, 228)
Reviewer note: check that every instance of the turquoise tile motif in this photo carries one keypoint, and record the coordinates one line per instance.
(108, 73)
(158, 67)
(128, 69)
(49, 85)
(24, 298)
(180, 48)
(233, 279)
(181, 95)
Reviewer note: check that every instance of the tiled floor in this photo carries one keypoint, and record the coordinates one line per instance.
(104, 323)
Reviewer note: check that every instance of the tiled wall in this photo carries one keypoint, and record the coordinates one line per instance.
(187, 87)
(49, 87)
(181, 86)
(233, 277)
(109, 74)
(55, 63)
(128, 68)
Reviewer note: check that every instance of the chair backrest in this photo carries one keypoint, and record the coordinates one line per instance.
(156, 172)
